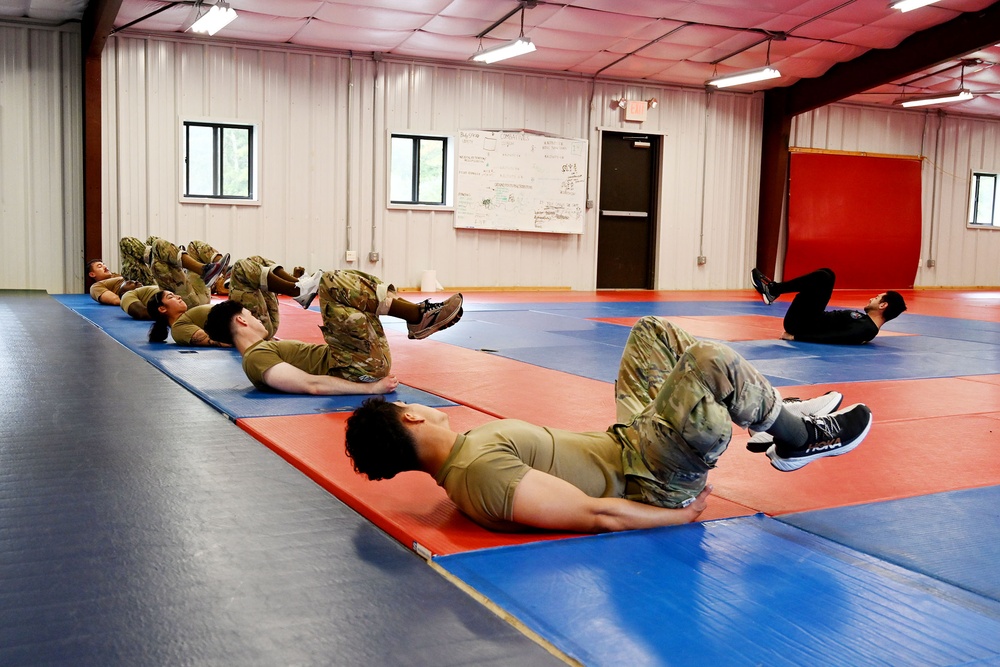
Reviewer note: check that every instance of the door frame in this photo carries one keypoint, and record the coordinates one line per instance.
(657, 200)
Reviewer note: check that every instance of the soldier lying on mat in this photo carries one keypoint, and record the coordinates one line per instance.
(676, 400)
(355, 359)
(254, 283)
(186, 270)
(807, 319)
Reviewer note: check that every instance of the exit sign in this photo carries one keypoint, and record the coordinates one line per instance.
(636, 110)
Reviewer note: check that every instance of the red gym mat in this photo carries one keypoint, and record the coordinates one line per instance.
(411, 507)
(943, 449)
(503, 387)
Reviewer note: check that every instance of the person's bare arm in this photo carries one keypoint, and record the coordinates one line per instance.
(289, 379)
(109, 298)
(545, 501)
(201, 339)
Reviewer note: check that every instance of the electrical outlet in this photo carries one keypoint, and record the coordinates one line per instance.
(931, 263)
(702, 260)
(352, 255)
(373, 257)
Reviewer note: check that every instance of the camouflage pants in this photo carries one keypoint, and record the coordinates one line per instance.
(171, 275)
(133, 263)
(679, 397)
(349, 302)
(248, 286)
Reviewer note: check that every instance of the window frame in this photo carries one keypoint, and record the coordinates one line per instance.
(974, 181)
(218, 125)
(447, 171)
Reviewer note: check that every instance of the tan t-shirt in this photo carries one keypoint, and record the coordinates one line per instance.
(115, 283)
(189, 324)
(309, 357)
(487, 463)
(134, 302)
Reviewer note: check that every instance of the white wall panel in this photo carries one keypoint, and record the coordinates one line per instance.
(499, 100)
(709, 181)
(41, 158)
(325, 121)
(951, 146)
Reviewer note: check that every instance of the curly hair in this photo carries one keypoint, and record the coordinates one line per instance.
(378, 444)
(219, 323)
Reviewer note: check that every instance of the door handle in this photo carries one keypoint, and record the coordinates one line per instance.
(626, 214)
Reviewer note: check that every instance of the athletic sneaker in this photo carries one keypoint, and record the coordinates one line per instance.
(761, 283)
(816, 407)
(436, 316)
(211, 271)
(308, 288)
(831, 435)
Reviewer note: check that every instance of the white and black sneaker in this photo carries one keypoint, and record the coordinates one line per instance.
(762, 284)
(308, 288)
(830, 435)
(816, 407)
(436, 316)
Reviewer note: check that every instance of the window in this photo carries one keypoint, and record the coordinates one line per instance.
(219, 161)
(983, 203)
(419, 168)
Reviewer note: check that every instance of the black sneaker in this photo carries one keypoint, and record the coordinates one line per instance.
(436, 316)
(831, 435)
(761, 283)
(816, 407)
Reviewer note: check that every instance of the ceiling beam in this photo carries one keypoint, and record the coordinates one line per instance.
(963, 34)
(98, 20)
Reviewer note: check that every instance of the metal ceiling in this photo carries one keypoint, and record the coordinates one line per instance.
(660, 41)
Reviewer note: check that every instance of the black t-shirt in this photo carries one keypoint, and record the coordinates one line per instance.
(839, 327)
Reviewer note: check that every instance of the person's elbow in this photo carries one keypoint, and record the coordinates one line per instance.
(604, 515)
(313, 385)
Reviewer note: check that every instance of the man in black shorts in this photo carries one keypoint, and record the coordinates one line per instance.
(809, 321)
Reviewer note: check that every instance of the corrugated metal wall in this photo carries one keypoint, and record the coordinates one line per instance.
(952, 147)
(41, 159)
(325, 121)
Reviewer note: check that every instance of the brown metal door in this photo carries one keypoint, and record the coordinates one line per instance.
(627, 214)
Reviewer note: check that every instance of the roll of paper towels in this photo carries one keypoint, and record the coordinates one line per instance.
(428, 281)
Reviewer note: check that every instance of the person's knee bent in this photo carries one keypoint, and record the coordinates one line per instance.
(709, 354)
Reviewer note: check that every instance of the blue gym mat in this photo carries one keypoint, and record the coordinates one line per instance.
(561, 337)
(216, 374)
(952, 536)
(746, 591)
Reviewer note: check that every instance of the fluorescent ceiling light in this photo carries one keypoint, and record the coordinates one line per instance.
(215, 19)
(518, 47)
(907, 5)
(748, 76)
(941, 98)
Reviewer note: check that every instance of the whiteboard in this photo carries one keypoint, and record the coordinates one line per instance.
(520, 181)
